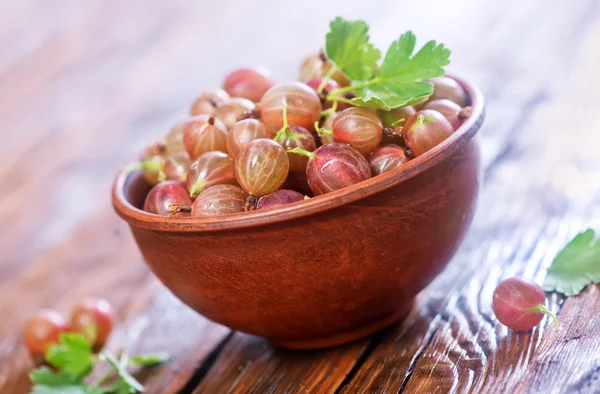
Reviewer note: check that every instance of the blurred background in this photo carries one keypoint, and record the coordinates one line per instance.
(85, 85)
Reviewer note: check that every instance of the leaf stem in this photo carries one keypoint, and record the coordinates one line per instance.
(326, 79)
(342, 100)
(300, 151)
(353, 87)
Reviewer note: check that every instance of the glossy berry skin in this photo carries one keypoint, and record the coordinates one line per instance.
(330, 86)
(174, 139)
(229, 111)
(206, 103)
(297, 137)
(448, 88)
(203, 134)
(279, 197)
(219, 200)
(43, 330)
(448, 108)
(164, 194)
(336, 166)
(386, 158)
(358, 127)
(177, 166)
(425, 130)
(212, 168)
(517, 303)
(247, 83)
(303, 106)
(317, 66)
(390, 117)
(261, 167)
(93, 317)
(242, 133)
(328, 125)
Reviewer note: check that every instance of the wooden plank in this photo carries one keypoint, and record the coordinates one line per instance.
(568, 359)
(533, 203)
(138, 101)
(250, 365)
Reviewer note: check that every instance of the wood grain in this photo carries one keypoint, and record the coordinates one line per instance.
(250, 365)
(84, 85)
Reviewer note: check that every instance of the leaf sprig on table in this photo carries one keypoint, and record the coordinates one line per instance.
(576, 266)
(400, 80)
(74, 360)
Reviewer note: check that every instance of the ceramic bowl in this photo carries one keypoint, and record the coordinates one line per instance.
(324, 271)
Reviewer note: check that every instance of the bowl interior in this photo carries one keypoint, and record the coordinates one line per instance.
(130, 189)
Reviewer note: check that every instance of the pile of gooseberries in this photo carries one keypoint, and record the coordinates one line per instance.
(91, 317)
(257, 144)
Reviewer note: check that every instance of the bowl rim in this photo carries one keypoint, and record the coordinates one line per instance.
(139, 218)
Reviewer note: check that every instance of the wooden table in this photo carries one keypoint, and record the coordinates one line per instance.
(85, 84)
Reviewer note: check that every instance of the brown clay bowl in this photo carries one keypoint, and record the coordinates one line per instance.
(324, 271)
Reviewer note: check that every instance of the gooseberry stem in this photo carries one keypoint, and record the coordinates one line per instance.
(541, 308)
(393, 131)
(321, 131)
(284, 129)
(465, 113)
(300, 151)
(251, 202)
(176, 208)
(326, 79)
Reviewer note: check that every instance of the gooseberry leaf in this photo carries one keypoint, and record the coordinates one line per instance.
(400, 80)
(575, 266)
(48, 382)
(347, 45)
(72, 356)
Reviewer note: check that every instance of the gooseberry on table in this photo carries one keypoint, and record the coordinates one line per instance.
(519, 304)
(43, 330)
(93, 318)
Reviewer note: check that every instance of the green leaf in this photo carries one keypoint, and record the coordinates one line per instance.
(380, 97)
(400, 78)
(149, 359)
(49, 382)
(576, 266)
(72, 356)
(126, 378)
(347, 45)
(399, 67)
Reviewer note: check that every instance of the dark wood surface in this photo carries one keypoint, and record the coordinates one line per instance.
(84, 85)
